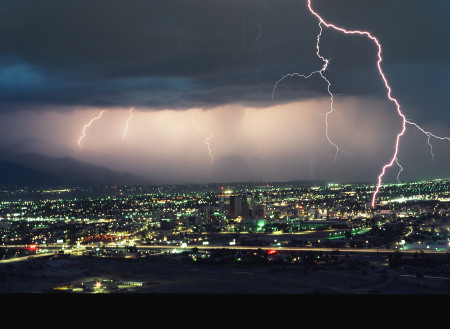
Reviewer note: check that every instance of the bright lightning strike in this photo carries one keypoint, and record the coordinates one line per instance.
(367, 34)
(207, 140)
(126, 124)
(88, 125)
(388, 88)
(389, 95)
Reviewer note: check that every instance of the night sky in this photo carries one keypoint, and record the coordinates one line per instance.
(198, 72)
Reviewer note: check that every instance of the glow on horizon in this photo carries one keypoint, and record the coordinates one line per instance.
(280, 143)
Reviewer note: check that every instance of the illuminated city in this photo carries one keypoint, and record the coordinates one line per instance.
(265, 148)
(267, 225)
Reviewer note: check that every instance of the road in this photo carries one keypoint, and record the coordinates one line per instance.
(323, 249)
(52, 248)
(22, 258)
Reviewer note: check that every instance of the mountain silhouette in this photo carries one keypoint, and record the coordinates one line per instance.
(35, 169)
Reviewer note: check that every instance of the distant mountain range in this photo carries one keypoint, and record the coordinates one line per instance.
(35, 169)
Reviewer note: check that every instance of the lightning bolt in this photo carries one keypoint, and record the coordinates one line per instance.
(321, 73)
(388, 88)
(88, 125)
(207, 140)
(394, 158)
(126, 124)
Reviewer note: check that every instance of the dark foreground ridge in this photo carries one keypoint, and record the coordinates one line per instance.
(232, 271)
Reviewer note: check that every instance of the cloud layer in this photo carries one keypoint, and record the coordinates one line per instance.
(202, 68)
(177, 54)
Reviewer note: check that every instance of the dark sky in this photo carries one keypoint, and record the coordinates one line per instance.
(197, 69)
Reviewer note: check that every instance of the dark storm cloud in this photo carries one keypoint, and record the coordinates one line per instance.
(179, 53)
(414, 38)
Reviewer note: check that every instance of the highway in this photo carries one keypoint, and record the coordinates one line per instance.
(22, 258)
(52, 248)
(323, 249)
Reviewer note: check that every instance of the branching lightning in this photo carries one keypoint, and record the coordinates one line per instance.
(88, 125)
(207, 140)
(126, 124)
(367, 34)
(429, 136)
(321, 73)
(389, 95)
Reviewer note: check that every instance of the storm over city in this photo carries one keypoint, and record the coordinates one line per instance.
(211, 91)
(238, 147)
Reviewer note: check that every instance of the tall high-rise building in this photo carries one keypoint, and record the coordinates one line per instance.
(235, 206)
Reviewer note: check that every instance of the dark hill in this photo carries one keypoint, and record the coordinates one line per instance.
(15, 174)
(38, 169)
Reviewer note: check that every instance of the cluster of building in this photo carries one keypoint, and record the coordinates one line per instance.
(160, 213)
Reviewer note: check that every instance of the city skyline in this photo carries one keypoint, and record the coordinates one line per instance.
(200, 79)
